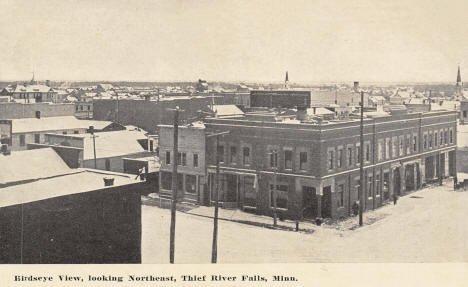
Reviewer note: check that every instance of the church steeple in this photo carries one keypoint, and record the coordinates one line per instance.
(286, 81)
(458, 77)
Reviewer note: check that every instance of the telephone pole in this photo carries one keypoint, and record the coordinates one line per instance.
(361, 160)
(91, 131)
(174, 183)
(214, 249)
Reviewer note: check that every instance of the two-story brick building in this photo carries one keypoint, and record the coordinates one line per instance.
(316, 165)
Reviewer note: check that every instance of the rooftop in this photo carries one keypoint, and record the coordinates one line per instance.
(27, 125)
(31, 164)
(75, 181)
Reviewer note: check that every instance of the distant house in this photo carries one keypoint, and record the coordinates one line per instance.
(110, 148)
(50, 213)
(104, 87)
(29, 93)
(33, 130)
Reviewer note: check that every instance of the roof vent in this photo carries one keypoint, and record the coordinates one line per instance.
(108, 181)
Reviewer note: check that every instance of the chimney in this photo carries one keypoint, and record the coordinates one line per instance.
(38, 114)
(48, 83)
(108, 181)
(356, 86)
(301, 113)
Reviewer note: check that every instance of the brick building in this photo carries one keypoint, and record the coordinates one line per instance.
(316, 164)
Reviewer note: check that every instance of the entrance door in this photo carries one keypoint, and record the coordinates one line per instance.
(409, 177)
(442, 164)
(309, 202)
(326, 202)
(231, 187)
(396, 181)
(429, 171)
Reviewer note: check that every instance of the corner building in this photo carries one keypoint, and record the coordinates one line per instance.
(316, 166)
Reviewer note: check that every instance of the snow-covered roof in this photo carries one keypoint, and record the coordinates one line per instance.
(319, 111)
(112, 144)
(26, 125)
(31, 164)
(227, 110)
(74, 182)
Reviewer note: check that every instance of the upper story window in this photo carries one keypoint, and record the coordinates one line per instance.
(303, 160)
(388, 144)
(445, 137)
(380, 150)
(407, 144)
(22, 140)
(288, 159)
(441, 137)
(415, 143)
(182, 158)
(401, 146)
(350, 156)
(273, 158)
(220, 153)
(436, 139)
(339, 158)
(246, 155)
(367, 152)
(395, 147)
(451, 136)
(425, 141)
(195, 160)
(168, 157)
(331, 158)
(233, 154)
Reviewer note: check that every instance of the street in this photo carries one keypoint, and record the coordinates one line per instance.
(425, 226)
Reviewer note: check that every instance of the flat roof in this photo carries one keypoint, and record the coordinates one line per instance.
(26, 125)
(78, 181)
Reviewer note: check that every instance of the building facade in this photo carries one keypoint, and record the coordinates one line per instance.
(316, 166)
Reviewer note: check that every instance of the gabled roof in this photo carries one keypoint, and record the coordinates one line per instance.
(32, 89)
(31, 164)
(27, 125)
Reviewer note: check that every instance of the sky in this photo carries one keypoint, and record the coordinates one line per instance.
(220, 40)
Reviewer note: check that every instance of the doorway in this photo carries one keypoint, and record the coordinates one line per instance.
(309, 202)
(326, 202)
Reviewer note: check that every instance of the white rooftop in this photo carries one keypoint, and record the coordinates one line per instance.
(26, 125)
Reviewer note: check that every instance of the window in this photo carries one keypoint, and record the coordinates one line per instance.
(76, 132)
(233, 154)
(430, 140)
(340, 191)
(445, 137)
(288, 159)
(76, 108)
(331, 158)
(195, 160)
(37, 138)
(168, 157)
(407, 144)
(451, 136)
(22, 140)
(350, 156)
(367, 152)
(436, 139)
(273, 158)
(377, 185)
(303, 160)
(358, 154)
(182, 158)
(401, 147)
(220, 152)
(415, 143)
(246, 155)
(339, 157)
(425, 142)
(190, 183)
(89, 108)
(64, 132)
(380, 151)
(107, 164)
(441, 135)
(388, 143)
(369, 186)
(464, 114)
(395, 147)
(281, 196)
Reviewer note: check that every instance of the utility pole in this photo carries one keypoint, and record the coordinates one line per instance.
(361, 160)
(214, 249)
(91, 131)
(174, 183)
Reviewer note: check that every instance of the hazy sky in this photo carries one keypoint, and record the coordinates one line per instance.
(378, 41)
